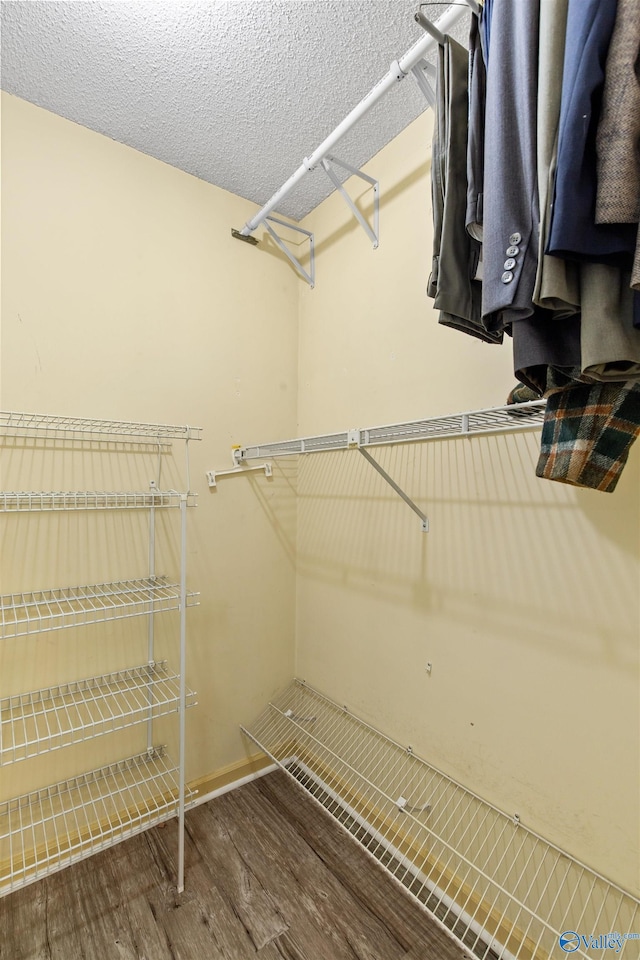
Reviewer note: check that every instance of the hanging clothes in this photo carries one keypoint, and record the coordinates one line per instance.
(557, 282)
(475, 138)
(552, 277)
(511, 209)
(587, 433)
(574, 233)
(453, 285)
(618, 134)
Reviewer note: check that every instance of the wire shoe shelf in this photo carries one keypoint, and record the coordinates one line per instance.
(37, 501)
(14, 424)
(43, 831)
(44, 720)
(26, 613)
(503, 891)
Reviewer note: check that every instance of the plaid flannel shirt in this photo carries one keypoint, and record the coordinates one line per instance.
(587, 433)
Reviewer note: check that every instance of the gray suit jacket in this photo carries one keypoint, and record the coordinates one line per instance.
(511, 212)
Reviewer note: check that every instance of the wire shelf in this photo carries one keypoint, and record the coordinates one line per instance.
(14, 424)
(36, 501)
(507, 419)
(27, 613)
(44, 720)
(44, 831)
(502, 890)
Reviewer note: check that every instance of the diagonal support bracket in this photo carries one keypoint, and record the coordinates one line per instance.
(385, 476)
(425, 74)
(310, 277)
(374, 233)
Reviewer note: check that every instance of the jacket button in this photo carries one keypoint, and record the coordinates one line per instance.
(509, 264)
(507, 276)
(513, 251)
(515, 238)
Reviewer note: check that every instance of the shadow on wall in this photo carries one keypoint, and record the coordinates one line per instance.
(532, 558)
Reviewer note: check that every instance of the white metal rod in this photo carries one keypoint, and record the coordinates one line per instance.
(397, 71)
(151, 622)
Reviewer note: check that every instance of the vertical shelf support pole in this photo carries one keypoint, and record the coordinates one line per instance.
(151, 626)
(183, 667)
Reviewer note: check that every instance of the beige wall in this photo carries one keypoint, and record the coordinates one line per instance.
(124, 296)
(524, 595)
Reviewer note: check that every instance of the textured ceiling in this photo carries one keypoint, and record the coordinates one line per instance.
(231, 92)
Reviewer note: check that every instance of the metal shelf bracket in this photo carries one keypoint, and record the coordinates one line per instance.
(310, 276)
(374, 233)
(212, 475)
(385, 476)
(425, 73)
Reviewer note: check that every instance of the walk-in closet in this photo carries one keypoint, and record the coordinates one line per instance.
(319, 490)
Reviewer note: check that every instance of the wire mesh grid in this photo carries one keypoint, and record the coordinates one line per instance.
(57, 609)
(522, 416)
(44, 831)
(14, 424)
(44, 720)
(25, 500)
(503, 891)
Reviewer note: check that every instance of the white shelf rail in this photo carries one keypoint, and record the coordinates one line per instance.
(504, 891)
(44, 831)
(14, 424)
(27, 613)
(44, 720)
(44, 501)
(398, 70)
(505, 419)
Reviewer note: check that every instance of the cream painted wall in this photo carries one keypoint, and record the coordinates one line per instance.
(124, 296)
(524, 594)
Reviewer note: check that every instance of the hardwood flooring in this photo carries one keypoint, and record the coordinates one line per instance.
(269, 876)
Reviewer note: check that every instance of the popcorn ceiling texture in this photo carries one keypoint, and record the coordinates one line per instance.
(234, 93)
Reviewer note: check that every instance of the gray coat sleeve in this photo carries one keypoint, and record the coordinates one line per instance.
(511, 207)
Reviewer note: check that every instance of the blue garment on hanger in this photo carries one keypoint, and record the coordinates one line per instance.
(485, 29)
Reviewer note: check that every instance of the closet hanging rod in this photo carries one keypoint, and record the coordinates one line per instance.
(397, 71)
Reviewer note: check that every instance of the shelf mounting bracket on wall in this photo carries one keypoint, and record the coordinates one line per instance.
(213, 475)
(425, 74)
(310, 277)
(385, 476)
(374, 233)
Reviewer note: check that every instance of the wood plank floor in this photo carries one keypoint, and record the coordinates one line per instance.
(268, 875)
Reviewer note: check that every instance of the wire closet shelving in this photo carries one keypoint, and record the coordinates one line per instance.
(505, 419)
(44, 830)
(502, 890)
